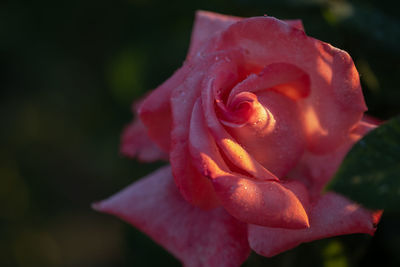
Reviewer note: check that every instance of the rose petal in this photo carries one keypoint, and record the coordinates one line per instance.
(284, 78)
(155, 110)
(267, 203)
(194, 187)
(335, 103)
(136, 143)
(371, 120)
(315, 170)
(295, 23)
(219, 78)
(278, 142)
(205, 25)
(202, 147)
(332, 215)
(196, 237)
(264, 203)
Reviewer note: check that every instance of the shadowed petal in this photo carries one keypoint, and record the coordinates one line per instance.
(315, 170)
(205, 25)
(332, 215)
(136, 143)
(196, 237)
(155, 110)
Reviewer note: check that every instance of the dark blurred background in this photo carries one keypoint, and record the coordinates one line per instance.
(69, 71)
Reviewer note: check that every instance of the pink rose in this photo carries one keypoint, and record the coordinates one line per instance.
(255, 123)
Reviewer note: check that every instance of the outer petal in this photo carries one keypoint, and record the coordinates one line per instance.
(315, 170)
(295, 23)
(207, 24)
(196, 237)
(155, 110)
(136, 143)
(335, 103)
(332, 215)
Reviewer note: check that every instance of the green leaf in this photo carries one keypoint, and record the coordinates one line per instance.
(370, 173)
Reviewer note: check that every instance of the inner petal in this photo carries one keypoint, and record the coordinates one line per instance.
(244, 109)
(276, 141)
(234, 152)
(263, 114)
(286, 79)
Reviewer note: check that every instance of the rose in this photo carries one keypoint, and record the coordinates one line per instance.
(255, 123)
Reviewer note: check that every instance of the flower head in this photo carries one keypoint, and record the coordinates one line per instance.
(255, 123)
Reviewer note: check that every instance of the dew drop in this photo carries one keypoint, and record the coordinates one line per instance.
(200, 54)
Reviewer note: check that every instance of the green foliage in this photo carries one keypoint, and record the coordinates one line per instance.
(370, 173)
